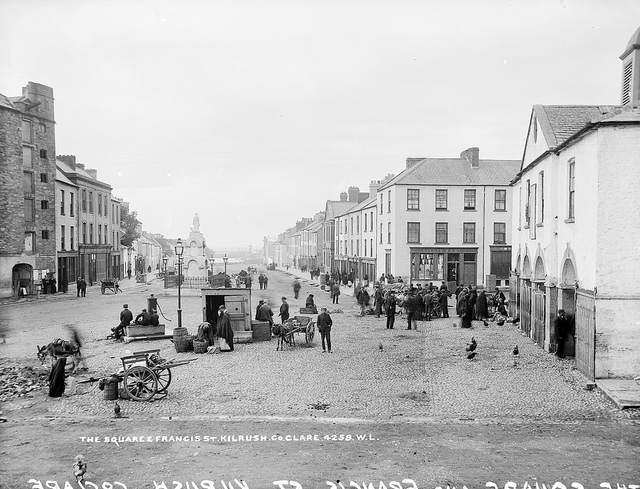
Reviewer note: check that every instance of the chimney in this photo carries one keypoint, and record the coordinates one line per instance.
(343, 196)
(92, 173)
(80, 165)
(373, 187)
(413, 161)
(68, 159)
(472, 156)
(353, 194)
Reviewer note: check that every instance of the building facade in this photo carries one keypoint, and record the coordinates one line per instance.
(447, 219)
(27, 190)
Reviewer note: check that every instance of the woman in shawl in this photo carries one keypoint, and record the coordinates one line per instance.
(224, 327)
(56, 378)
(467, 311)
(482, 308)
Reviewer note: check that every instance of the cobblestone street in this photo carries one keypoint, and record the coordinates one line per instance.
(419, 378)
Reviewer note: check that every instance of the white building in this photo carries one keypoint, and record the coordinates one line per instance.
(576, 232)
(447, 219)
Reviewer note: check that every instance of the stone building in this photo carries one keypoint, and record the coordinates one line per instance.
(27, 190)
(576, 229)
(447, 219)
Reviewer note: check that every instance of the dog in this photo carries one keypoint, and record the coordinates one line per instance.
(280, 331)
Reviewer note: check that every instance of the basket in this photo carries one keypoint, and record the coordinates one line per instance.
(110, 392)
(182, 343)
(200, 346)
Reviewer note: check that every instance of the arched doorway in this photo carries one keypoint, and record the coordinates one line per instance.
(22, 280)
(193, 269)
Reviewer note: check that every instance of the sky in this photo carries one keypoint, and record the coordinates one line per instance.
(254, 113)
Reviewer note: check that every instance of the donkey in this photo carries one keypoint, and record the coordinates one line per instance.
(60, 348)
(280, 331)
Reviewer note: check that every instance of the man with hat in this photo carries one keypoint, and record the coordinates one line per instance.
(310, 303)
(125, 319)
(225, 332)
(284, 310)
(265, 313)
(144, 318)
(258, 308)
(377, 301)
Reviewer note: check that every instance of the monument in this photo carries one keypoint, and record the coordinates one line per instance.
(195, 261)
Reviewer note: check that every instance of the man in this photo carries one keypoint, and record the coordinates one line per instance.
(265, 281)
(390, 310)
(125, 320)
(265, 313)
(261, 281)
(377, 301)
(284, 310)
(336, 292)
(563, 328)
(129, 273)
(225, 332)
(258, 308)
(83, 287)
(444, 301)
(79, 286)
(310, 303)
(296, 288)
(363, 299)
(410, 306)
(144, 318)
(324, 323)
(444, 287)
(427, 305)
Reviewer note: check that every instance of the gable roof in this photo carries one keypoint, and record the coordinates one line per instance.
(358, 207)
(560, 122)
(456, 171)
(337, 208)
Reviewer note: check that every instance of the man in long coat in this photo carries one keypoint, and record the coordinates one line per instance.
(284, 310)
(377, 301)
(482, 306)
(224, 327)
(444, 302)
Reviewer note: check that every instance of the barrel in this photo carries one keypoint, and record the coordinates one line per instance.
(180, 342)
(111, 389)
(261, 330)
(179, 332)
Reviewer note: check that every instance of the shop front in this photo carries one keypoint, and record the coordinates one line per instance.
(453, 265)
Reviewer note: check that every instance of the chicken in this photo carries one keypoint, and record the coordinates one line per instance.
(116, 410)
(473, 345)
(515, 355)
(485, 322)
(472, 355)
(380, 346)
(516, 351)
(79, 468)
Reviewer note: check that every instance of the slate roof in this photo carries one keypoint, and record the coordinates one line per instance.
(61, 177)
(560, 122)
(456, 171)
(337, 208)
(358, 207)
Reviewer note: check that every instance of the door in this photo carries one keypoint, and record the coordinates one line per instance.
(538, 317)
(585, 333)
(238, 311)
(525, 310)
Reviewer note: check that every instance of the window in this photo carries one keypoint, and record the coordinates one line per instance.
(99, 204)
(413, 199)
(62, 238)
(380, 233)
(381, 203)
(44, 204)
(352, 226)
(29, 210)
(43, 154)
(469, 232)
(100, 232)
(499, 232)
(371, 226)
(357, 224)
(572, 189)
(357, 247)
(71, 236)
(45, 234)
(389, 201)
(441, 200)
(540, 218)
(527, 214)
(29, 242)
(113, 214)
(71, 204)
(62, 203)
(364, 221)
(27, 157)
(371, 245)
(442, 232)
(27, 182)
(413, 232)
(26, 131)
(44, 178)
(90, 233)
(470, 200)
(84, 232)
(106, 205)
(84, 200)
(90, 202)
(388, 232)
(500, 200)
(106, 237)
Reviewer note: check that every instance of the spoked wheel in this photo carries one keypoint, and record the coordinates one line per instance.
(436, 312)
(140, 383)
(310, 332)
(164, 379)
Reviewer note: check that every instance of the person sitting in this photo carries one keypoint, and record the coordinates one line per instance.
(144, 318)
(155, 319)
(125, 319)
(310, 304)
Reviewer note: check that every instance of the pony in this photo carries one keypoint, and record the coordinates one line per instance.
(62, 348)
(280, 331)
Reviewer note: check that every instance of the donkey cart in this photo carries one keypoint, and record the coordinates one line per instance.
(111, 284)
(298, 324)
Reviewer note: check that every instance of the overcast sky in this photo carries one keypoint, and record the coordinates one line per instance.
(254, 113)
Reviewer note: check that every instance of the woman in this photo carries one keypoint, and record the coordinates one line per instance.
(467, 311)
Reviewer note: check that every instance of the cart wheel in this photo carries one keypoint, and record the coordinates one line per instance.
(311, 330)
(437, 312)
(164, 379)
(140, 383)
(102, 289)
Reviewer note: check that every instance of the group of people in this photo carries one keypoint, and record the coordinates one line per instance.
(263, 280)
(81, 285)
(473, 305)
(145, 318)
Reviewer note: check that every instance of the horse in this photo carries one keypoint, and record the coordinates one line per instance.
(60, 348)
(280, 331)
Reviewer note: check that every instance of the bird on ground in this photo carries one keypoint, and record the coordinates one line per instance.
(472, 355)
(380, 346)
(485, 322)
(473, 345)
(516, 351)
(116, 410)
(79, 468)
(515, 355)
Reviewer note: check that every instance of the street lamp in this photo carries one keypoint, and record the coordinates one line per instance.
(225, 263)
(179, 249)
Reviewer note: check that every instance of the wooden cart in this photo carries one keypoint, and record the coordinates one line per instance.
(301, 325)
(111, 284)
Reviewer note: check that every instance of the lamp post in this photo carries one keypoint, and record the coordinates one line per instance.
(225, 259)
(179, 249)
